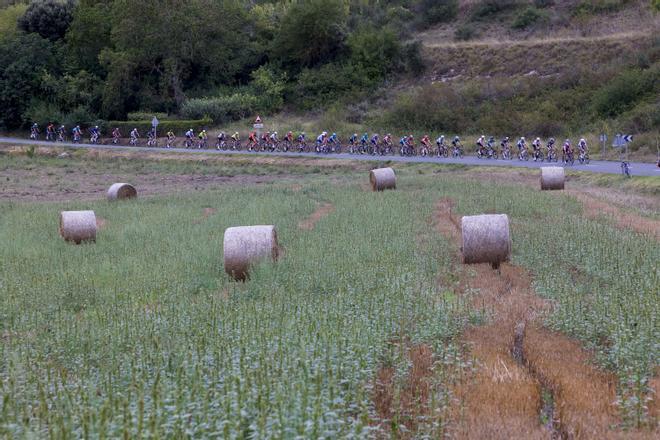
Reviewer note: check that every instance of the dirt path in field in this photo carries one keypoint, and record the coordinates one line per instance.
(594, 208)
(400, 407)
(529, 382)
(323, 210)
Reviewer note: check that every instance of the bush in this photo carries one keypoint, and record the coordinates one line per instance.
(177, 126)
(319, 87)
(269, 88)
(376, 52)
(466, 32)
(487, 8)
(544, 3)
(221, 109)
(528, 17)
(145, 115)
(48, 18)
(587, 7)
(437, 11)
(624, 91)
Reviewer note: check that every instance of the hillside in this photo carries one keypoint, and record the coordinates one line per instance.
(571, 71)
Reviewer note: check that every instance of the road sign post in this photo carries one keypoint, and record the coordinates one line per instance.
(603, 140)
(154, 125)
(258, 125)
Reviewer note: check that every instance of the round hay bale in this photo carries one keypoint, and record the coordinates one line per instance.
(382, 179)
(120, 191)
(552, 178)
(486, 239)
(245, 246)
(78, 226)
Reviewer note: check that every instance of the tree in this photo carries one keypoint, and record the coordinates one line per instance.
(89, 34)
(162, 47)
(24, 60)
(48, 18)
(312, 32)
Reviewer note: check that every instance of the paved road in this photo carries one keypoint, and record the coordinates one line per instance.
(596, 166)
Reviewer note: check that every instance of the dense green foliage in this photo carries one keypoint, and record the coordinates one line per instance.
(182, 57)
(48, 18)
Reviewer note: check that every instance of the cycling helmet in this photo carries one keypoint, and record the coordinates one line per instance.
(522, 138)
(582, 140)
(506, 138)
(552, 140)
(275, 133)
(303, 133)
(538, 139)
(334, 134)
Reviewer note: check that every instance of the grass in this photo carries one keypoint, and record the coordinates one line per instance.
(142, 334)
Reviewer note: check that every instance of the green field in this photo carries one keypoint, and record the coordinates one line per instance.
(143, 335)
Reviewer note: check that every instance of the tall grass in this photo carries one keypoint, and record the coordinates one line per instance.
(142, 334)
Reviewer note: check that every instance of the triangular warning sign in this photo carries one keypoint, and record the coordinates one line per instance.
(258, 120)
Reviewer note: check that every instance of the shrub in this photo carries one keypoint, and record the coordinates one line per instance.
(528, 17)
(466, 32)
(586, 7)
(269, 88)
(177, 126)
(487, 8)
(375, 52)
(625, 90)
(319, 87)
(437, 11)
(145, 115)
(48, 18)
(543, 3)
(221, 109)
(655, 4)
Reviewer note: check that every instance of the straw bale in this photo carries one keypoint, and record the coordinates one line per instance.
(78, 226)
(245, 246)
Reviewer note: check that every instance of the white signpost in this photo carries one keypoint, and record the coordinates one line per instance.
(154, 124)
(258, 125)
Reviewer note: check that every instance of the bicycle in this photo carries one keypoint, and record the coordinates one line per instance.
(188, 143)
(538, 155)
(568, 158)
(457, 152)
(443, 151)
(523, 154)
(583, 158)
(152, 142)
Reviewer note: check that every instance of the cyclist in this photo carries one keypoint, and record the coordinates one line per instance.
(252, 140)
(457, 147)
(550, 149)
(222, 138)
(426, 145)
(34, 131)
(236, 140)
(77, 134)
(301, 142)
(411, 143)
(289, 137)
(567, 151)
(203, 138)
(94, 134)
(320, 141)
(135, 135)
(353, 139)
(536, 145)
(481, 149)
(274, 141)
(387, 143)
(506, 154)
(61, 132)
(170, 139)
(374, 142)
(582, 145)
(363, 142)
(333, 140)
(50, 132)
(522, 146)
(403, 144)
(116, 135)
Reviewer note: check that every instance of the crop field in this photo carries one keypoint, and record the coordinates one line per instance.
(367, 326)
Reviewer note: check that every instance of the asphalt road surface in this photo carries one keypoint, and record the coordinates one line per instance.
(595, 166)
